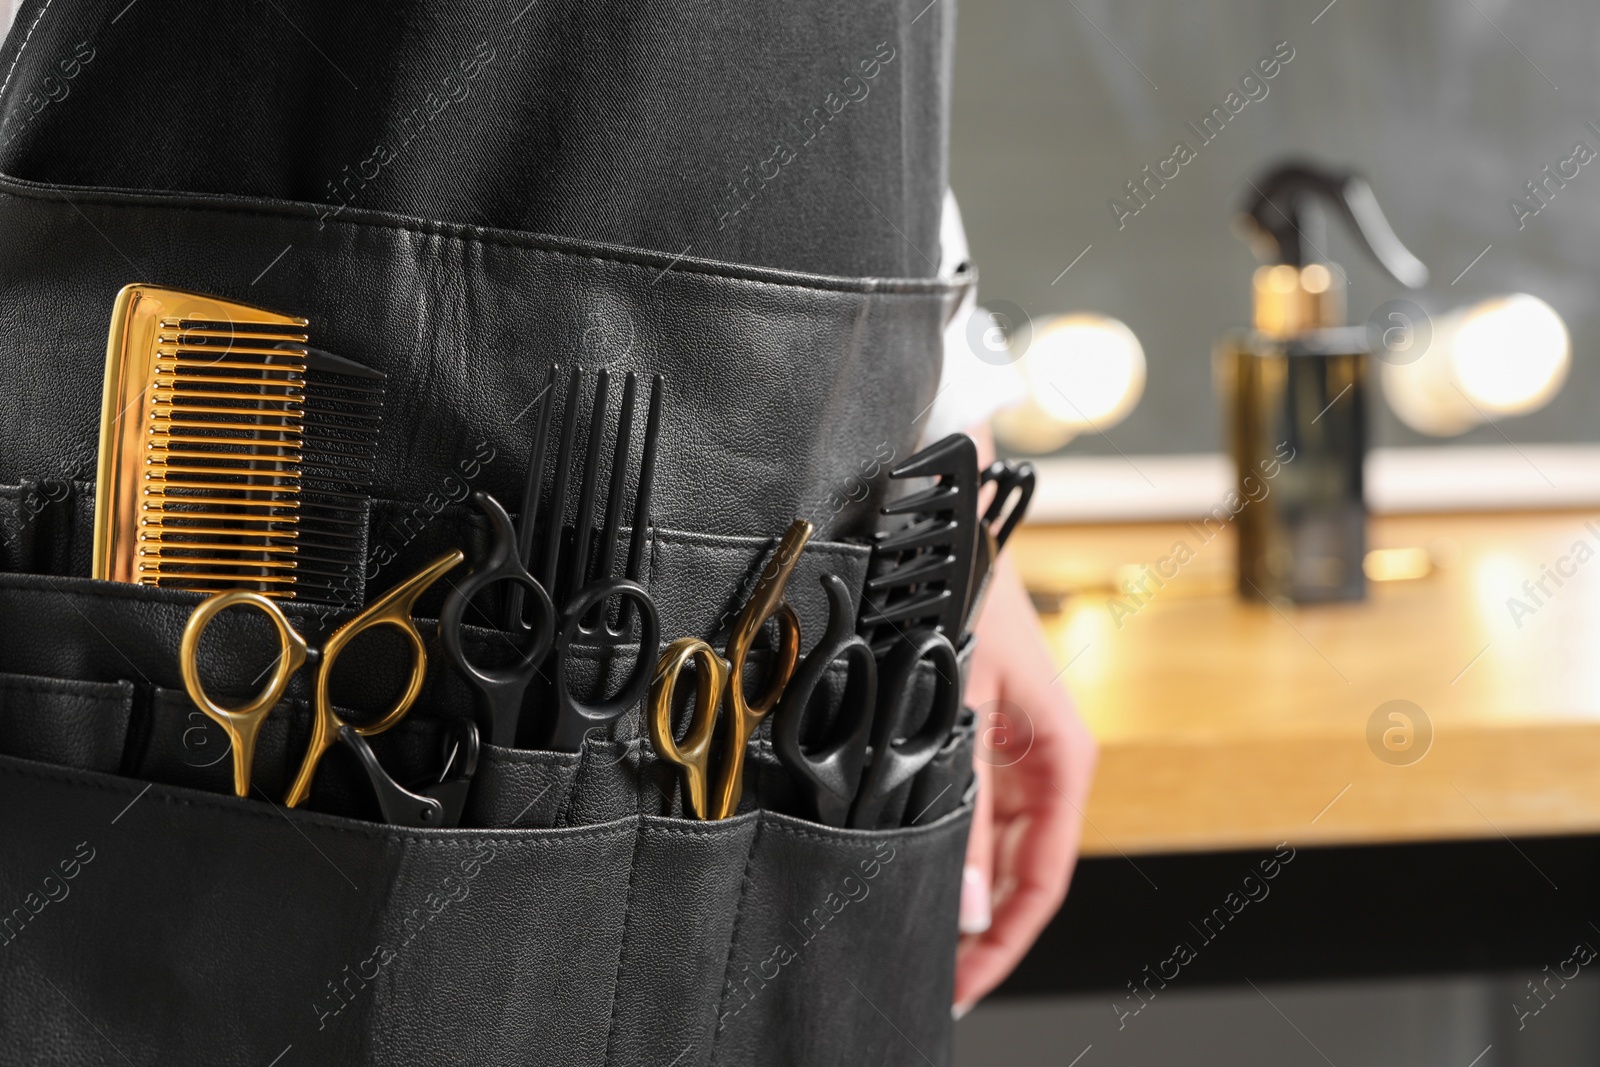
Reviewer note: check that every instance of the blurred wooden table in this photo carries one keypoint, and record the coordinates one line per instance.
(1225, 724)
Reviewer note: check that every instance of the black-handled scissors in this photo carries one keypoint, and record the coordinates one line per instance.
(435, 803)
(575, 718)
(543, 619)
(588, 586)
(842, 787)
(500, 690)
(1014, 485)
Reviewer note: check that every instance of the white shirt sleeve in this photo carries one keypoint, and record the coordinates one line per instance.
(974, 384)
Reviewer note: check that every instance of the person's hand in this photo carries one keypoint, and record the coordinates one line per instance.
(1030, 795)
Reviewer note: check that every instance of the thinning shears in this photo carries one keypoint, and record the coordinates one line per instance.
(719, 685)
(875, 717)
(243, 724)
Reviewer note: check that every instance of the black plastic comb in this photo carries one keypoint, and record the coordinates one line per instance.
(920, 574)
(343, 413)
(566, 566)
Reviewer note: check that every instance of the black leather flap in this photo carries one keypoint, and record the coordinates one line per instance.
(787, 394)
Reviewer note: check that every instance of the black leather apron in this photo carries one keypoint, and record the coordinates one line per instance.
(745, 199)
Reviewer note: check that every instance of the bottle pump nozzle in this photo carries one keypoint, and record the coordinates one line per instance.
(1296, 292)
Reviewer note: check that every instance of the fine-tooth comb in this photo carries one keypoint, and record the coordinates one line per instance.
(920, 574)
(233, 455)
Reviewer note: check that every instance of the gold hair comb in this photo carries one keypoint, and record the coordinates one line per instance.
(232, 454)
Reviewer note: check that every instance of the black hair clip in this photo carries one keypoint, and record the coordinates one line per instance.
(438, 801)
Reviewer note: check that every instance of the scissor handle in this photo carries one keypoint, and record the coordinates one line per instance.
(693, 753)
(459, 750)
(399, 805)
(242, 724)
(744, 716)
(831, 773)
(575, 718)
(436, 803)
(1012, 480)
(394, 609)
(896, 759)
(500, 689)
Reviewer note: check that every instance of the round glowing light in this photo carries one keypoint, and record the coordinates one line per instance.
(1511, 355)
(1085, 370)
(1084, 373)
(1506, 356)
(1316, 278)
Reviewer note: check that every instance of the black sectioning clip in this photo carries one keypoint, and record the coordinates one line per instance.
(438, 801)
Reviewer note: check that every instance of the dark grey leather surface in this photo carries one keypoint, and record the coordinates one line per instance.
(807, 136)
(517, 973)
(699, 581)
(75, 645)
(209, 930)
(74, 723)
(604, 934)
(782, 389)
(585, 200)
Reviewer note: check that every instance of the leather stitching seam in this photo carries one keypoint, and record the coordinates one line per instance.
(69, 687)
(643, 261)
(23, 47)
(622, 948)
(457, 839)
(733, 935)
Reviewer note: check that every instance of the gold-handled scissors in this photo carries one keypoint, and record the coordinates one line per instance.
(243, 724)
(720, 682)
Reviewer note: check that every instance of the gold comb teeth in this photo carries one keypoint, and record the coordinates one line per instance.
(233, 455)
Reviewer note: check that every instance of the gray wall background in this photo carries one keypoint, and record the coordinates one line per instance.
(1447, 106)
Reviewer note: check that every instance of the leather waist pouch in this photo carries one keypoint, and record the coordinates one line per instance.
(146, 915)
(175, 926)
(580, 923)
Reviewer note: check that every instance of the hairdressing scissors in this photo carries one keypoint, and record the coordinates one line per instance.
(587, 586)
(243, 724)
(500, 690)
(719, 683)
(584, 614)
(842, 787)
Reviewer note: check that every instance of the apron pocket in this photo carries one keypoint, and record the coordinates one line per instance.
(688, 879)
(943, 784)
(37, 527)
(75, 724)
(182, 927)
(521, 788)
(846, 944)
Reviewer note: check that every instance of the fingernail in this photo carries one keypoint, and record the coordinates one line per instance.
(958, 1010)
(974, 917)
